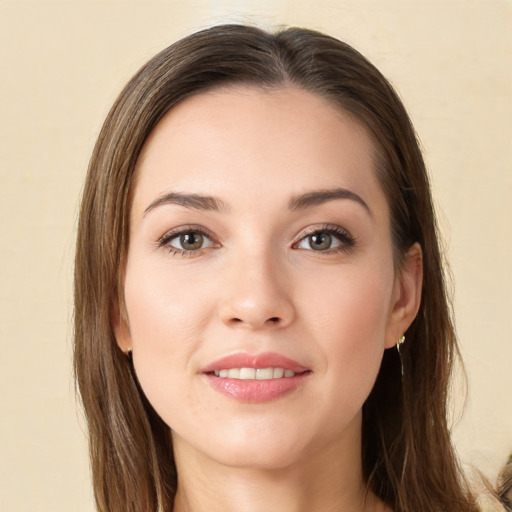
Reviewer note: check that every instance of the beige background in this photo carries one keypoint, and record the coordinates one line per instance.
(61, 66)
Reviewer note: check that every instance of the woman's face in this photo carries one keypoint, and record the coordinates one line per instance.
(260, 239)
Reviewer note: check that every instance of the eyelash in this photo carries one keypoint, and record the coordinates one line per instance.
(347, 241)
(175, 233)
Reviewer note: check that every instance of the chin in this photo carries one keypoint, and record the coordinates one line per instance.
(267, 458)
(265, 444)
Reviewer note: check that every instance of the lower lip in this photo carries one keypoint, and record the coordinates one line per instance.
(256, 391)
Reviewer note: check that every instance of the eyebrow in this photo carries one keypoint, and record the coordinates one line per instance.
(194, 201)
(318, 197)
(211, 203)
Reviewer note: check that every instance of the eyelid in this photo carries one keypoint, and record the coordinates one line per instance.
(207, 242)
(188, 228)
(346, 239)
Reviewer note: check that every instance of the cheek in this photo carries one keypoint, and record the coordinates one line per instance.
(348, 314)
(351, 302)
(165, 312)
(167, 321)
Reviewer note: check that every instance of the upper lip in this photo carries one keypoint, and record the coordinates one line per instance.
(263, 360)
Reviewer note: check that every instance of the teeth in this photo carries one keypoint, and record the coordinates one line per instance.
(254, 373)
(234, 373)
(278, 373)
(247, 373)
(264, 373)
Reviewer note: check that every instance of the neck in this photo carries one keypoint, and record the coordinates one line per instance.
(326, 480)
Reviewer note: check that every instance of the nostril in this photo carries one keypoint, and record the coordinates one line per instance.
(273, 320)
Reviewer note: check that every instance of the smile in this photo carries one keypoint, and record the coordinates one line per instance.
(256, 378)
(254, 373)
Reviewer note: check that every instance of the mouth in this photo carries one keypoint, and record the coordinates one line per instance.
(256, 378)
(254, 373)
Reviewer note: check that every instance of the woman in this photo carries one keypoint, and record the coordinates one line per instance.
(261, 317)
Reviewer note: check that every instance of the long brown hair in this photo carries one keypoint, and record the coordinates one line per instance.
(408, 458)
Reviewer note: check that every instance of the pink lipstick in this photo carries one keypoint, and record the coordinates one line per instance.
(255, 378)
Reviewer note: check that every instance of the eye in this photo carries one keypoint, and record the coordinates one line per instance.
(332, 238)
(191, 241)
(186, 241)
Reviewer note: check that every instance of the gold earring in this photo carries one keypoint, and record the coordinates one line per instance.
(128, 352)
(398, 343)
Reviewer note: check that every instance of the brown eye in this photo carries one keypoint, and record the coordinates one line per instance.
(189, 241)
(320, 241)
(326, 239)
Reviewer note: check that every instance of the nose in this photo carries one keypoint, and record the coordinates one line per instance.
(257, 294)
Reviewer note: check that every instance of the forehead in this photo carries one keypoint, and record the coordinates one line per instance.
(247, 143)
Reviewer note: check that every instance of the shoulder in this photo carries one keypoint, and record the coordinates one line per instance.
(499, 500)
(486, 502)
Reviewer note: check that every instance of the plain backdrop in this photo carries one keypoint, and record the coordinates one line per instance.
(62, 63)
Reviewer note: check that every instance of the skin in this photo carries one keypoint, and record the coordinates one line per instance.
(257, 285)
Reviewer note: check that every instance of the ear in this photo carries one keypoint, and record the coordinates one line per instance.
(406, 295)
(121, 329)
